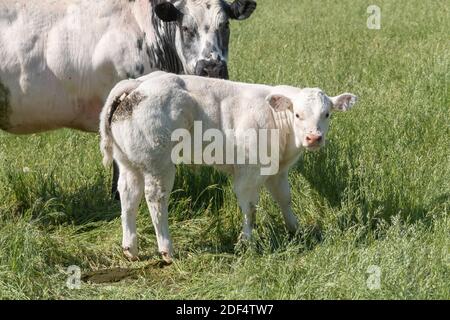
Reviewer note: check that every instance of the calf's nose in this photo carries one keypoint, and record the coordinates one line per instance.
(313, 139)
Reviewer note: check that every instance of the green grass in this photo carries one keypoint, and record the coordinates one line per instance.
(377, 195)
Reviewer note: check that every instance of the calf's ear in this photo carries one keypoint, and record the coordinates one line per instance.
(241, 9)
(343, 102)
(279, 102)
(167, 12)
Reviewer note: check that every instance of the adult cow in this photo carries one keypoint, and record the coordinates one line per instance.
(60, 59)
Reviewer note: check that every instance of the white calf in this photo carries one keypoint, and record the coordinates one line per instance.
(140, 117)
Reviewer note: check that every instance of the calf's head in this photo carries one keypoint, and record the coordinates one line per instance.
(311, 109)
(202, 31)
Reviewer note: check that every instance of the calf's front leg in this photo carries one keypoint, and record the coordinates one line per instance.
(280, 190)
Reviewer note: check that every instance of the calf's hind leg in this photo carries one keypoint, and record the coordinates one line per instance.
(157, 192)
(131, 187)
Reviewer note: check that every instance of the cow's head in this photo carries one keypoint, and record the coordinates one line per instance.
(311, 110)
(203, 31)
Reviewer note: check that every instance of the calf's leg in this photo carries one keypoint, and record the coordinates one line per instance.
(131, 187)
(157, 192)
(278, 186)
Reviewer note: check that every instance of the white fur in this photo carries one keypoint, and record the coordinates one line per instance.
(59, 63)
(142, 143)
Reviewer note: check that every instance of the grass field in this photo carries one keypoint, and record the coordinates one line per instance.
(374, 202)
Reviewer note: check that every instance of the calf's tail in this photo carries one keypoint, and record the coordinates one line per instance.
(106, 139)
(118, 93)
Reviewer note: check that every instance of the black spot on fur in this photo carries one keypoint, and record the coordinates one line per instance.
(140, 68)
(140, 44)
(122, 110)
(162, 54)
(166, 11)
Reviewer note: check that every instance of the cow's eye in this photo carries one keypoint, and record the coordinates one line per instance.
(297, 116)
(327, 115)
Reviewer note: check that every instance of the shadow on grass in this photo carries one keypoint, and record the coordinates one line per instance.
(112, 275)
(198, 190)
(42, 195)
(342, 178)
(44, 198)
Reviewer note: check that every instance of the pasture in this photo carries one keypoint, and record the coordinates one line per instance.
(373, 204)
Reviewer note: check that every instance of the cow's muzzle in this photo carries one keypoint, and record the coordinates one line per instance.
(212, 69)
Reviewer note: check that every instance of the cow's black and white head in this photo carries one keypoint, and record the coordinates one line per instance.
(202, 31)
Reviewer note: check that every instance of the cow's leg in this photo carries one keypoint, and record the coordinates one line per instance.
(247, 192)
(157, 192)
(131, 187)
(115, 180)
(278, 186)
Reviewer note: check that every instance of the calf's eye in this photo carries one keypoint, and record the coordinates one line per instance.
(327, 115)
(297, 116)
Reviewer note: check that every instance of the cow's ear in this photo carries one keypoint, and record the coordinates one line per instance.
(343, 102)
(167, 12)
(241, 9)
(279, 102)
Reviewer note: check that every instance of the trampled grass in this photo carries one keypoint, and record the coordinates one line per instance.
(375, 201)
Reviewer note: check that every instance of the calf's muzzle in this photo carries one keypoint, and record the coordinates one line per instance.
(314, 139)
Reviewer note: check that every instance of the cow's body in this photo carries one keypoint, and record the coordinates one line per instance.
(60, 58)
(141, 117)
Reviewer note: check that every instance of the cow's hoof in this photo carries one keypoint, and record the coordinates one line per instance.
(167, 257)
(130, 255)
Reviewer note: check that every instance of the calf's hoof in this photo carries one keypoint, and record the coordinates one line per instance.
(245, 237)
(167, 257)
(243, 243)
(130, 254)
